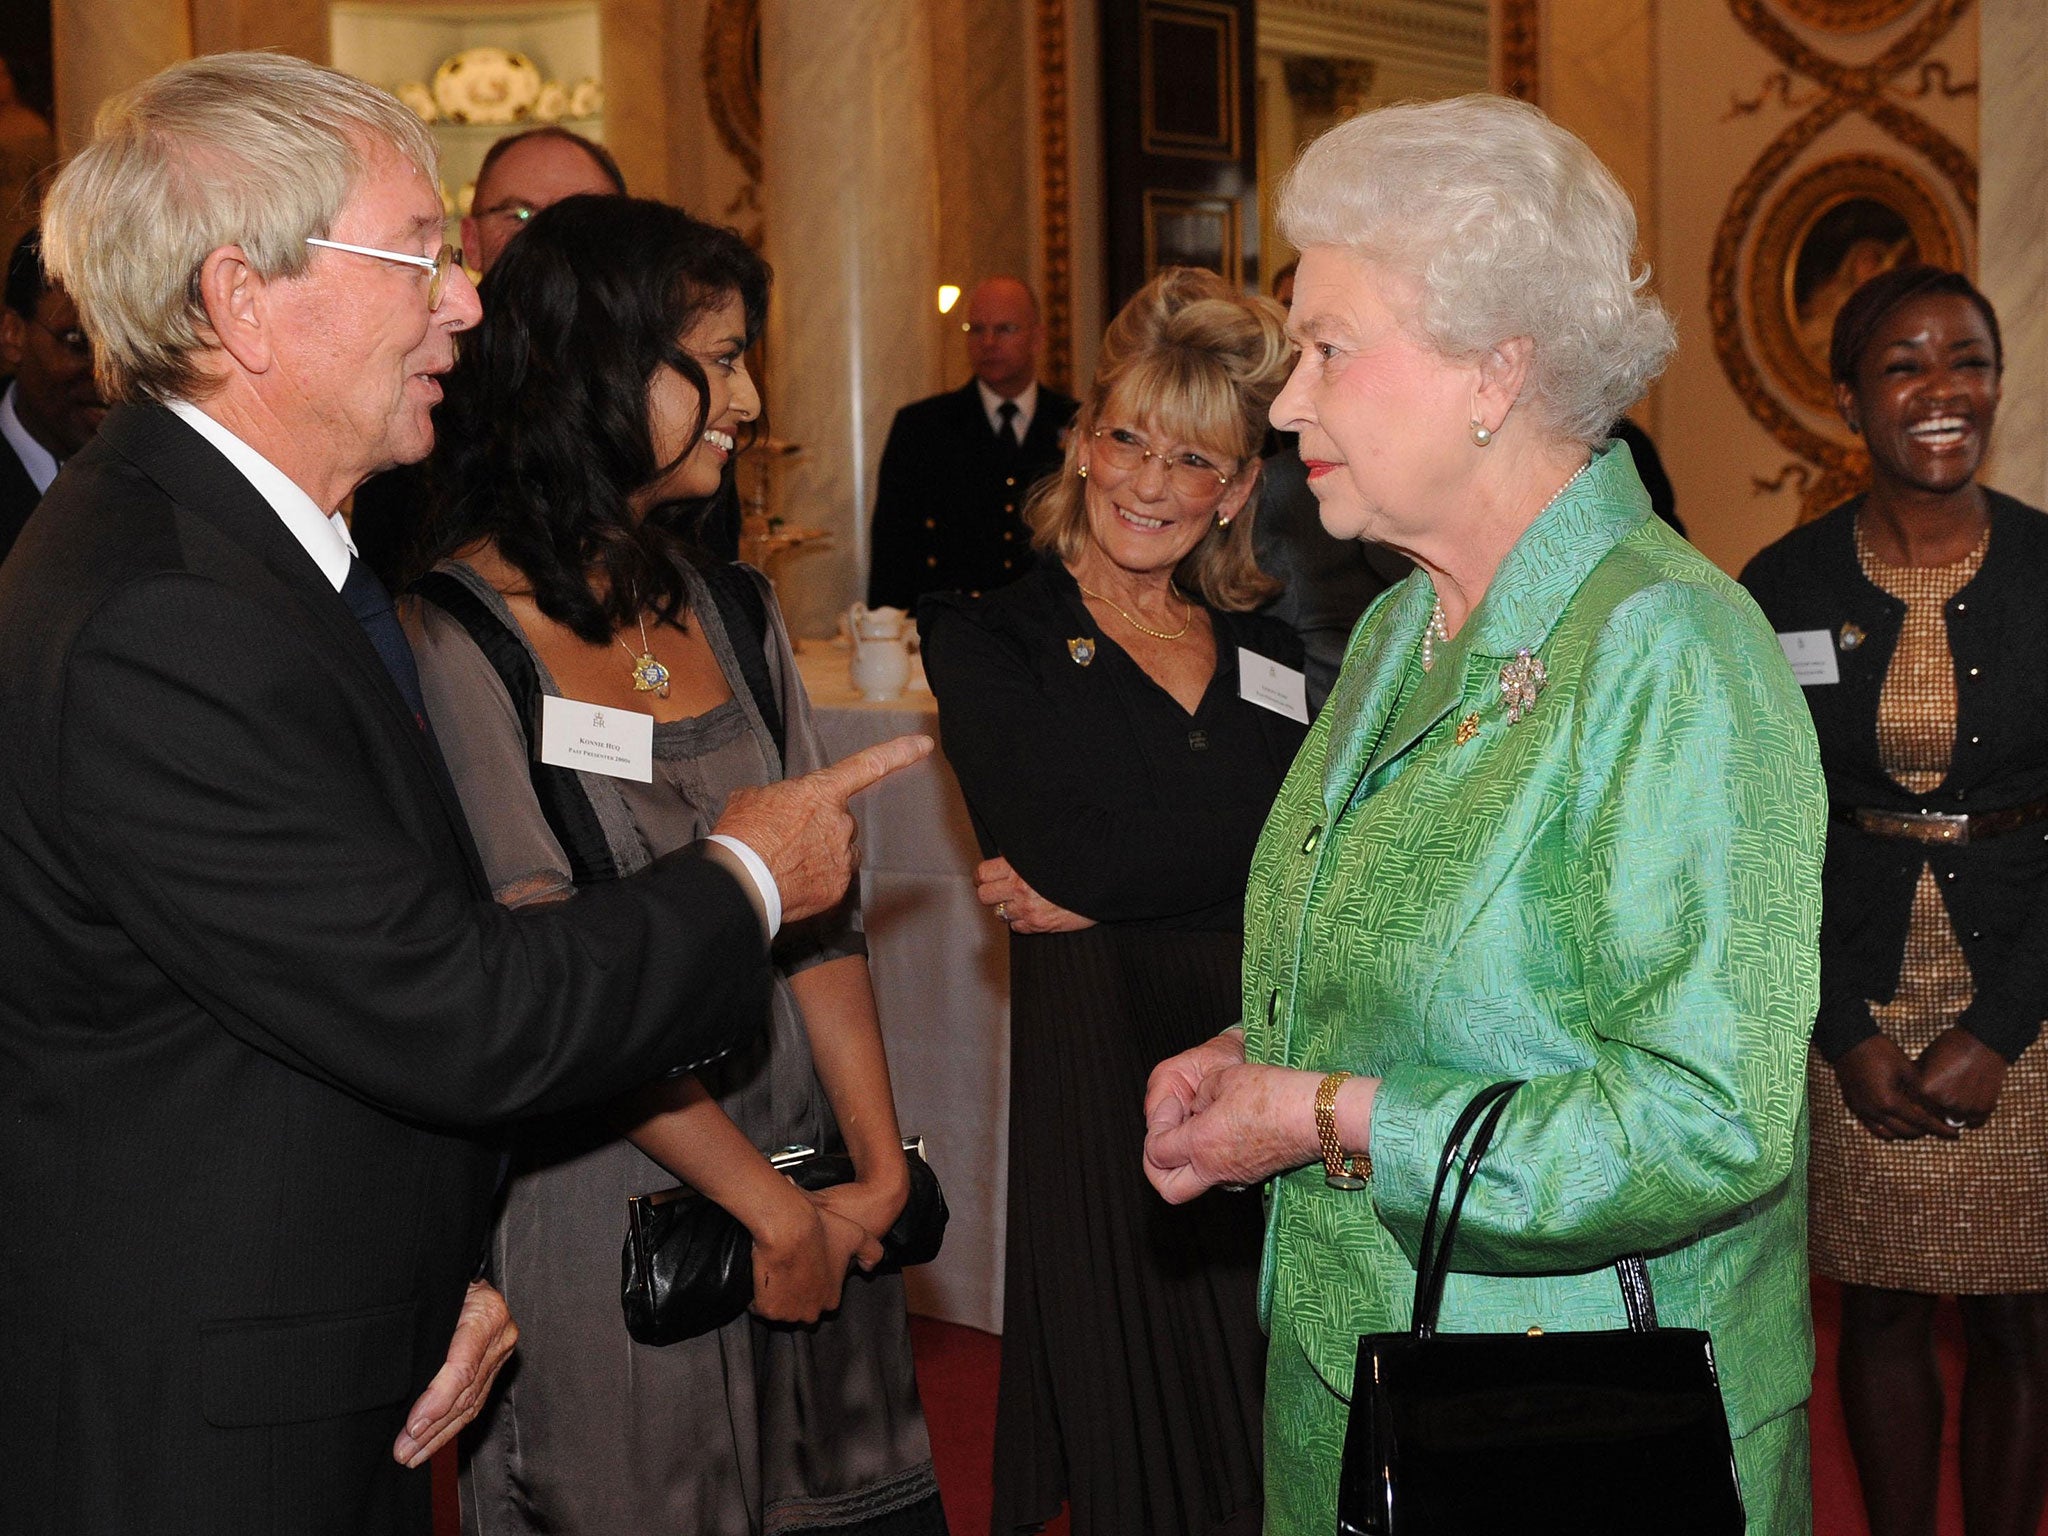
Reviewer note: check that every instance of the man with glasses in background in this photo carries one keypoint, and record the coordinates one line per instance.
(258, 1010)
(950, 495)
(52, 407)
(521, 174)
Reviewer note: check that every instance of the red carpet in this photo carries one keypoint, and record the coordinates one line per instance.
(956, 1372)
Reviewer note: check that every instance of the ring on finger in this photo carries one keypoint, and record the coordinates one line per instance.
(1953, 1123)
(1003, 910)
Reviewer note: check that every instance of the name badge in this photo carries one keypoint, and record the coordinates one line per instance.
(597, 738)
(1812, 655)
(1264, 682)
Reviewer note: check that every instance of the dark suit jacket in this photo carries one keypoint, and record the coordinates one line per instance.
(18, 497)
(1996, 889)
(949, 497)
(1326, 582)
(255, 1005)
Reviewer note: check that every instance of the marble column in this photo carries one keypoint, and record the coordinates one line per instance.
(850, 163)
(2012, 249)
(104, 46)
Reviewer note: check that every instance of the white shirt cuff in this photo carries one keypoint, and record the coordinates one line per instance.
(771, 898)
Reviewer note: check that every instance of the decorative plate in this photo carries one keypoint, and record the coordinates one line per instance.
(486, 85)
(416, 96)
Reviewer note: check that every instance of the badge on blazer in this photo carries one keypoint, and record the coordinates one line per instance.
(1082, 649)
(1850, 636)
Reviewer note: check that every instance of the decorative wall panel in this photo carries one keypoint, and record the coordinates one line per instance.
(1803, 226)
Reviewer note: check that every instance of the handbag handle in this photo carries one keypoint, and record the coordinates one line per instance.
(1480, 1119)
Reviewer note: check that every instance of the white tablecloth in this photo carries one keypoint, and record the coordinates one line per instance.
(942, 980)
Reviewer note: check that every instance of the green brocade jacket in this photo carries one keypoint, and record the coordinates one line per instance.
(1616, 898)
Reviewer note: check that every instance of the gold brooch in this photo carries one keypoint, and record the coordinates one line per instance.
(1082, 649)
(1468, 727)
(1850, 637)
(1520, 681)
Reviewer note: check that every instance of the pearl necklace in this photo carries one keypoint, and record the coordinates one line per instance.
(1146, 629)
(1438, 630)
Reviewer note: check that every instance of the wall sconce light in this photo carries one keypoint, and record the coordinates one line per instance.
(949, 295)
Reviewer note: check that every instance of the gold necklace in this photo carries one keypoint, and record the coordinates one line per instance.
(1146, 629)
(649, 675)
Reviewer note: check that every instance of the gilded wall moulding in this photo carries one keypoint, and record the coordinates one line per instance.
(1825, 234)
(1789, 220)
(1517, 50)
(1055, 189)
(732, 78)
(1848, 15)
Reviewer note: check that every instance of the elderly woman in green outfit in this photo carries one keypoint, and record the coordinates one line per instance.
(1561, 820)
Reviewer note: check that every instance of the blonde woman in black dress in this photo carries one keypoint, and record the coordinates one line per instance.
(1119, 781)
(1919, 608)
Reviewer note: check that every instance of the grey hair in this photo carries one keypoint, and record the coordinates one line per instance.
(1508, 226)
(257, 150)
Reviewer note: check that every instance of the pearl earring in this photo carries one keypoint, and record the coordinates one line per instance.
(1084, 471)
(1481, 436)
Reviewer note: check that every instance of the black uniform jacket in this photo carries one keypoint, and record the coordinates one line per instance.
(1996, 889)
(255, 1005)
(949, 498)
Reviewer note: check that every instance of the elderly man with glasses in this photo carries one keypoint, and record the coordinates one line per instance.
(258, 1010)
(521, 174)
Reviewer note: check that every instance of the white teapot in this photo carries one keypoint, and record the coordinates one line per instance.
(880, 638)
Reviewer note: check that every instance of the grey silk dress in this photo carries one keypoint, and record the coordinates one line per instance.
(757, 1428)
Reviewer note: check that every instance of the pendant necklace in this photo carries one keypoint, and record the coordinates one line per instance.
(649, 675)
(1146, 629)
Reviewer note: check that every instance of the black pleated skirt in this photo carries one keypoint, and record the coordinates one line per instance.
(1133, 1365)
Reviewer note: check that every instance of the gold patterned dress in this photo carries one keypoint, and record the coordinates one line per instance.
(1964, 1217)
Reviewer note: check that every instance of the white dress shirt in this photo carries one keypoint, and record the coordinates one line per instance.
(325, 537)
(40, 463)
(992, 407)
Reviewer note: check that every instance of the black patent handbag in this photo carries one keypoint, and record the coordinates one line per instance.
(1609, 1433)
(688, 1265)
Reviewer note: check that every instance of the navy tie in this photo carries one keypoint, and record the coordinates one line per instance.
(371, 604)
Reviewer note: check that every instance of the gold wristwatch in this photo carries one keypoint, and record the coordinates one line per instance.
(1339, 1171)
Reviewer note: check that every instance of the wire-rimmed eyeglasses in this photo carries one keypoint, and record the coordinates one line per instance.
(1190, 474)
(438, 263)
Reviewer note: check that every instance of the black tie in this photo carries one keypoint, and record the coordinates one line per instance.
(371, 604)
(1008, 431)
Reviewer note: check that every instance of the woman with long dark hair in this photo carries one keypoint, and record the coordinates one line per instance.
(592, 413)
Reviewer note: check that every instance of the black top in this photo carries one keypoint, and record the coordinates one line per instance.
(18, 496)
(1994, 889)
(1107, 796)
(949, 498)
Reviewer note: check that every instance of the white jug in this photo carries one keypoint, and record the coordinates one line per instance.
(881, 650)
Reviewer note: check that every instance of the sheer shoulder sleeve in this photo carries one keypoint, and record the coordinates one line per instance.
(486, 751)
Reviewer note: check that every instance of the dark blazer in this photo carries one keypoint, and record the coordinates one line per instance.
(1326, 582)
(18, 496)
(1996, 890)
(950, 494)
(256, 1004)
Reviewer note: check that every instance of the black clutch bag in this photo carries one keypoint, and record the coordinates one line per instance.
(689, 1265)
(1592, 1434)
